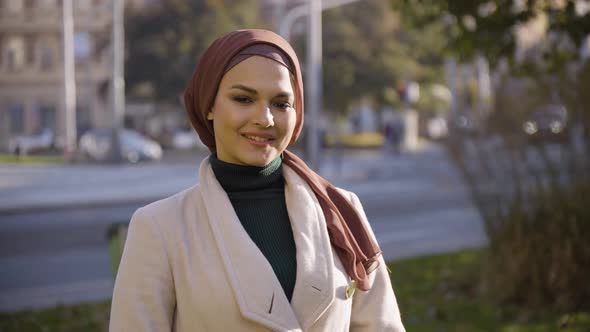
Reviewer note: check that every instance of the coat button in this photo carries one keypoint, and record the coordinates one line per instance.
(350, 289)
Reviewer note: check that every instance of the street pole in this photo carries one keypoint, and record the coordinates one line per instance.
(314, 82)
(69, 80)
(118, 83)
(313, 79)
(295, 13)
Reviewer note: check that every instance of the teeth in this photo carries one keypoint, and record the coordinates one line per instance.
(257, 139)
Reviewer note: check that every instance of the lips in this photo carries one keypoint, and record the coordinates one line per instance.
(259, 138)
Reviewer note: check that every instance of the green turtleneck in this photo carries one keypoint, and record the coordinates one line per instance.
(258, 197)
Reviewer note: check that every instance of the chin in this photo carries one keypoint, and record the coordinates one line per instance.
(259, 160)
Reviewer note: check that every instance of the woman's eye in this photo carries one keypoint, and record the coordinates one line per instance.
(282, 104)
(242, 99)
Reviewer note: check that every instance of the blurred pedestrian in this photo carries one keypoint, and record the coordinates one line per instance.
(393, 136)
(261, 242)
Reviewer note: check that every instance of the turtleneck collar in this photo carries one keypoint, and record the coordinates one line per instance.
(237, 178)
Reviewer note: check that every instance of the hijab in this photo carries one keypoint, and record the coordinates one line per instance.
(349, 236)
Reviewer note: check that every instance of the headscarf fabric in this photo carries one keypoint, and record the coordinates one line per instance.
(349, 237)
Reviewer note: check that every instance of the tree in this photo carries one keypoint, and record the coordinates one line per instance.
(531, 194)
(489, 27)
(367, 51)
(165, 42)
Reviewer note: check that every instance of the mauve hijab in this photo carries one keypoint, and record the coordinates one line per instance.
(351, 240)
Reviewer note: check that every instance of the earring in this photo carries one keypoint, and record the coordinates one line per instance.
(210, 116)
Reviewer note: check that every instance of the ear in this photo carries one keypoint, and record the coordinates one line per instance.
(210, 116)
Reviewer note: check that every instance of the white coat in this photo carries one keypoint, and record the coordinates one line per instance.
(189, 265)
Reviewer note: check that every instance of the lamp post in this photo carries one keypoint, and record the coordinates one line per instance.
(118, 83)
(69, 80)
(313, 82)
(295, 13)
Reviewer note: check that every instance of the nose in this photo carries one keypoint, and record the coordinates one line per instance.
(264, 117)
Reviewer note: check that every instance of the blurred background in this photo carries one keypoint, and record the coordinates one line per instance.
(463, 126)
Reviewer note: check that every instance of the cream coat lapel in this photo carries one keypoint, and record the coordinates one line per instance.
(314, 287)
(258, 292)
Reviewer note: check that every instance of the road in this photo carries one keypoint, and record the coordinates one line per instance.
(416, 204)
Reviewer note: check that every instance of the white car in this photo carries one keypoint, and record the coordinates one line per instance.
(96, 144)
(187, 139)
(26, 144)
(436, 128)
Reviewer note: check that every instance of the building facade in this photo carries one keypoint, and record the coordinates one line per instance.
(32, 68)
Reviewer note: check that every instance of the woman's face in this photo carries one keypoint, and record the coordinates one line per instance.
(253, 113)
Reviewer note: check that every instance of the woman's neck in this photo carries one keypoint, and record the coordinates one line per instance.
(235, 178)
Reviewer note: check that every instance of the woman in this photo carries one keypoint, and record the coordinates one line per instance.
(261, 242)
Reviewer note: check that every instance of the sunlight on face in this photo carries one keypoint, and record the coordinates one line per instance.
(253, 114)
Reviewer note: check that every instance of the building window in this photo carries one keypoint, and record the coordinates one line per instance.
(82, 46)
(14, 54)
(47, 117)
(16, 118)
(30, 50)
(46, 55)
(83, 122)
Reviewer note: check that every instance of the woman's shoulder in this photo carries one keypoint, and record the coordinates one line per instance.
(291, 177)
(172, 207)
(349, 195)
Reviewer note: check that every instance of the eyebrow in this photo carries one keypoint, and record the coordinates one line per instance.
(254, 92)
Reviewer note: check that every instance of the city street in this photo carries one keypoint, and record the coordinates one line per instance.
(54, 220)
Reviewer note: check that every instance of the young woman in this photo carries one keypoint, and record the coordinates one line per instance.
(261, 242)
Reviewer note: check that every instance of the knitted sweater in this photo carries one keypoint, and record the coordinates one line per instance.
(258, 197)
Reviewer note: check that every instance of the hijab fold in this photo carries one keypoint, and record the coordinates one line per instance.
(349, 236)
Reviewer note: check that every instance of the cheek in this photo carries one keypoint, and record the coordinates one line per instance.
(226, 118)
(292, 120)
(288, 124)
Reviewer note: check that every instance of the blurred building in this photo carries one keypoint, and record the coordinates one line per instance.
(31, 65)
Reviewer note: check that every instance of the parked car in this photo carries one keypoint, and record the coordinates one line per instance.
(186, 139)
(436, 128)
(548, 123)
(96, 144)
(26, 144)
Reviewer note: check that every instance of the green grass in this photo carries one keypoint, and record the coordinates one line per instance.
(435, 294)
(30, 160)
(442, 293)
(71, 318)
(117, 234)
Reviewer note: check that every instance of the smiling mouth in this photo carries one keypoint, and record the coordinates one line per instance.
(258, 138)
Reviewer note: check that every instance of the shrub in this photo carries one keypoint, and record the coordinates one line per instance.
(540, 253)
(534, 198)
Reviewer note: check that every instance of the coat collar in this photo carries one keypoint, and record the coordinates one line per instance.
(257, 290)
